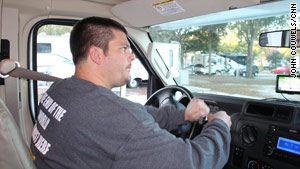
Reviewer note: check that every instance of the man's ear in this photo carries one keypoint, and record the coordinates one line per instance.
(96, 54)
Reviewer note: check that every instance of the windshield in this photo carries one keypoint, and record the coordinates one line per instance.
(225, 58)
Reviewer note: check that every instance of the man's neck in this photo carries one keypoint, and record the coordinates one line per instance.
(90, 76)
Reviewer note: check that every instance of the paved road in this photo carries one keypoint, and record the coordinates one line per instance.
(261, 86)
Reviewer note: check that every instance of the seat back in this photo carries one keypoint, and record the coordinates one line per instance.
(14, 153)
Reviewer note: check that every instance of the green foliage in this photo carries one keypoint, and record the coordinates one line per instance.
(231, 43)
(199, 41)
(275, 58)
(239, 37)
(192, 39)
(287, 53)
(249, 30)
(56, 30)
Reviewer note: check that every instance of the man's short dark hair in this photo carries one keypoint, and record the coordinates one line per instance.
(91, 31)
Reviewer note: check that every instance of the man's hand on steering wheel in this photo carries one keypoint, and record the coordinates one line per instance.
(220, 115)
(196, 109)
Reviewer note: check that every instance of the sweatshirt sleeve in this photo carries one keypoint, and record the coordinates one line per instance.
(152, 147)
(168, 117)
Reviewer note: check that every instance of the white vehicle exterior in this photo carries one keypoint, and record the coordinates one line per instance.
(138, 74)
(217, 69)
(55, 65)
(54, 55)
(59, 44)
(219, 64)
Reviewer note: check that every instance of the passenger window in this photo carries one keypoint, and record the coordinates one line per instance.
(53, 57)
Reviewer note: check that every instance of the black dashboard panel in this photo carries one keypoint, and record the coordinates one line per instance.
(229, 104)
(265, 135)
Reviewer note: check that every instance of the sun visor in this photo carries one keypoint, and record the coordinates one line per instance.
(152, 12)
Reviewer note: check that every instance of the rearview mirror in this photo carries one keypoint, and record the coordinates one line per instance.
(282, 38)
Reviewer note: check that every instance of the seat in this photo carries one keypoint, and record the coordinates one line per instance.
(14, 151)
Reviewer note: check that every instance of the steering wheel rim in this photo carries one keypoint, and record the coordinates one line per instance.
(164, 94)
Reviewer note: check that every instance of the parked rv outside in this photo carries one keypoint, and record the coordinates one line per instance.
(238, 58)
(219, 64)
(138, 74)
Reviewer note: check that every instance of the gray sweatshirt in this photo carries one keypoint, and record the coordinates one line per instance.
(84, 126)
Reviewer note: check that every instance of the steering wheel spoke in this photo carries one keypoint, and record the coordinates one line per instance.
(166, 96)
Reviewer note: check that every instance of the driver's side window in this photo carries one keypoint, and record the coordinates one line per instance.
(53, 57)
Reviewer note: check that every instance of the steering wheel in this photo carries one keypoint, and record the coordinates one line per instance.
(166, 96)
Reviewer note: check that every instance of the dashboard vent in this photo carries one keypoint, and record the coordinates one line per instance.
(270, 111)
(283, 113)
(260, 110)
(249, 134)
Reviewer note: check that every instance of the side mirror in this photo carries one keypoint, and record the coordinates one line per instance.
(282, 38)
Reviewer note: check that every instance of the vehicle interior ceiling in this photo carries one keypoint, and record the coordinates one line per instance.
(256, 122)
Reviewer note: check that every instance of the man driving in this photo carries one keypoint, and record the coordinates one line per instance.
(83, 124)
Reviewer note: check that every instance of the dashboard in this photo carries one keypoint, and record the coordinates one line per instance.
(265, 135)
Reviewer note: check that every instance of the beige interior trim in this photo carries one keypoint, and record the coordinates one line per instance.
(159, 65)
(149, 15)
(2, 88)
